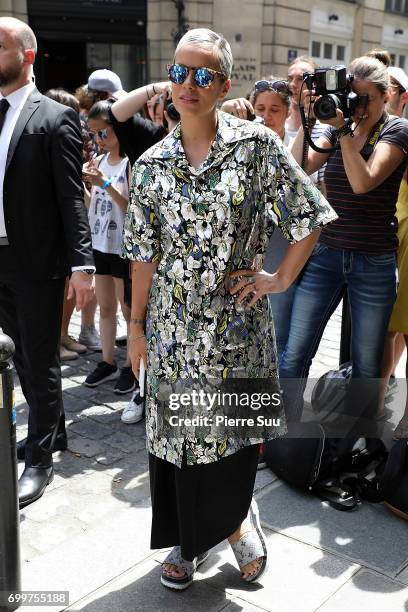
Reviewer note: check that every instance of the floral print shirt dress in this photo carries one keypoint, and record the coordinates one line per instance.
(199, 225)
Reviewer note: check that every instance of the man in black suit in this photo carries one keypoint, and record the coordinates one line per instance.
(44, 236)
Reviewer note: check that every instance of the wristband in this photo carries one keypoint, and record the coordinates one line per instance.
(344, 131)
(136, 337)
(107, 183)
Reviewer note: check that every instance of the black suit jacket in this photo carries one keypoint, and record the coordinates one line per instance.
(46, 219)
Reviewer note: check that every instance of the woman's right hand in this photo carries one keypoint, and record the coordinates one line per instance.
(163, 87)
(307, 100)
(137, 351)
(240, 107)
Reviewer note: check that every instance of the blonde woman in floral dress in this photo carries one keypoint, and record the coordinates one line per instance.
(203, 205)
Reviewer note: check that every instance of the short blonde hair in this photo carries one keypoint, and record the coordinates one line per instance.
(202, 37)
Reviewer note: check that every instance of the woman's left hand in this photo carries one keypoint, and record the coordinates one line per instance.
(94, 176)
(256, 284)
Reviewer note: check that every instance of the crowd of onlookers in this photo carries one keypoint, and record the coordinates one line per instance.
(117, 127)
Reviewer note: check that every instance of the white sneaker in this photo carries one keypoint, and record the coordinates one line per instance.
(90, 338)
(134, 411)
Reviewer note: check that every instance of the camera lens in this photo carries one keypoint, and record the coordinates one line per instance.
(325, 108)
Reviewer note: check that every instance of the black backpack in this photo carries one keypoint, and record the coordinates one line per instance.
(308, 459)
(340, 471)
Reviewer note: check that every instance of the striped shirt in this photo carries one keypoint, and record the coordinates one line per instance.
(367, 221)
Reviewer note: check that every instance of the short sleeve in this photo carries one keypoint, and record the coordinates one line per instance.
(395, 132)
(291, 200)
(141, 229)
(329, 133)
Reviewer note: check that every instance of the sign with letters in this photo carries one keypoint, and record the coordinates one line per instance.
(292, 54)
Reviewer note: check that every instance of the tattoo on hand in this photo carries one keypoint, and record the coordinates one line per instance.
(138, 321)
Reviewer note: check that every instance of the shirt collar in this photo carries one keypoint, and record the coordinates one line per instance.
(19, 96)
(230, 130)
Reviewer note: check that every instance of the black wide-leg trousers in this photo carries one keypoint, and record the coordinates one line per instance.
(197, 507)
(31, 313)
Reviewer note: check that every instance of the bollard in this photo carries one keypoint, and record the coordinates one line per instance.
(10, 576)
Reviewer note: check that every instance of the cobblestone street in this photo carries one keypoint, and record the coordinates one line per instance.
(89, 533)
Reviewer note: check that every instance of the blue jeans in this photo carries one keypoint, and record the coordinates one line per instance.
(281, 304)
(371, 285)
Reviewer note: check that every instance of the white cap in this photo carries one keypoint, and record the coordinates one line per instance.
(399, 75)
(106, 80)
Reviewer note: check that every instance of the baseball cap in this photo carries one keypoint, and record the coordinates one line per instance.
(399, 75)
(106, 80)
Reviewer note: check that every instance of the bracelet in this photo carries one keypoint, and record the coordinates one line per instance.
(107, 183)
(345, 130)
(131, 338)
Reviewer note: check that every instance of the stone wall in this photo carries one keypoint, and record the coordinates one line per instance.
(14, 8)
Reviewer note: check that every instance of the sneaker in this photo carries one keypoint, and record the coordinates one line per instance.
(261, 459)
(90, 337)
(103, 372)
(66, 355)
(126, 381)
(134, 411)
(121, 338)
(72, 345)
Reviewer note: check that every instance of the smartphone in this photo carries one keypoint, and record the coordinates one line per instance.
(142, 377)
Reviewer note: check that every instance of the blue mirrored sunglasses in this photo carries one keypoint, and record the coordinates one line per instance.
(102, 134)
(203, 77)
(280, 86)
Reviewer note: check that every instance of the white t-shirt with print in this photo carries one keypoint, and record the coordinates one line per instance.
(105, 216)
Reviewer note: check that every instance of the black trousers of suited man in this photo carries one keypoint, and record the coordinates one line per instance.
(31, 313)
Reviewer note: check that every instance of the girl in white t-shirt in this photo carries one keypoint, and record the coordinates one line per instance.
(107, 201)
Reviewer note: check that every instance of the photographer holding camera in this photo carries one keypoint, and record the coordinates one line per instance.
(366, 158)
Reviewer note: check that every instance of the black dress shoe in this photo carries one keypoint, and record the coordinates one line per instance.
(61, 444)
(32, 484)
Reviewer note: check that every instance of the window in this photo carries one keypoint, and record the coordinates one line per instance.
(397, 59)
(326, 53)
(397, 6)
(341, 52)
(315, 48)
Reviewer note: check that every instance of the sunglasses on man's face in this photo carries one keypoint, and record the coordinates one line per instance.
(102, 134)
(203, 77)
(280, 86)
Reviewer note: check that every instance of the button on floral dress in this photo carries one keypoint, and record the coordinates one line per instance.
(199, 225)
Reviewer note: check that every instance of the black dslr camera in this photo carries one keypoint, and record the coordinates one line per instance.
(333, 84)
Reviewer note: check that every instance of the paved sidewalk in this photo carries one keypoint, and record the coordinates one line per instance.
(89, 533)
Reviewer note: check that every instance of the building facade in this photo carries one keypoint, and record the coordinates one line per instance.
(266, 35)
(137, 38)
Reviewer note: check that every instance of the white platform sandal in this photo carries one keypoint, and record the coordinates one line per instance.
(174, 558)
(252, 546)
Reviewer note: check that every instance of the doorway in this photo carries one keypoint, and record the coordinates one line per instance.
(60, 64)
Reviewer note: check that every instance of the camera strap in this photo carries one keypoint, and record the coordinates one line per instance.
(372, 140)
(309, 127)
